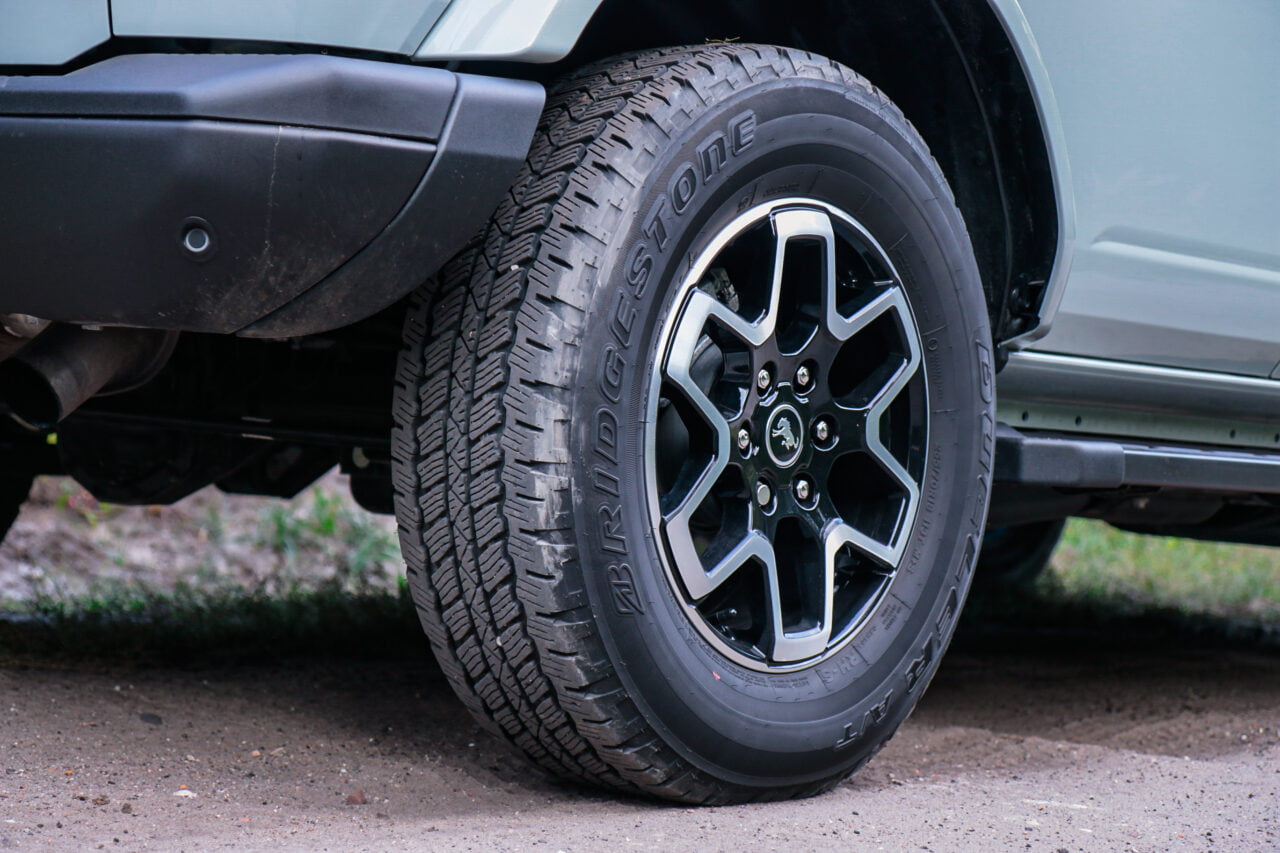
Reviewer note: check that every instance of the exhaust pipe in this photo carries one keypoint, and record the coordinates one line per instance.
(54, 374)
(16, 330)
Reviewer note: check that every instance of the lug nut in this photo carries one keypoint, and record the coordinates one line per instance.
(744, 439)
(803, 490)
(822, 430)
(764, 494)
(764, 379)
(803, 376)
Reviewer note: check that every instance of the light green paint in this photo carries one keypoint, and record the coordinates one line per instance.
(390, 26)
(525, 30)
(1170, 111)
(50, 32)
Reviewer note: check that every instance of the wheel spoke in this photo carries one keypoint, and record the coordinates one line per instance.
(800, 645)
(677, 523)
(701, 308)
(875, 444)
(861, 427)
(754, 546)
(679, 367)
(838, 534)
(889, 298)
(797, 224)
(852, 427)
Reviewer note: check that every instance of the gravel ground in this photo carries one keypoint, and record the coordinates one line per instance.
(1040, 739)
(1055, 748)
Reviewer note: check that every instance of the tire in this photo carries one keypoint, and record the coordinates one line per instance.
(1018, 554)
(533, 398)
(15, 486)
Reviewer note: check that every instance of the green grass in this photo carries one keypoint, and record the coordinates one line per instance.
(330, 591)
(330, 582)
(331, 526)
(1112, 589)
(1095, 563)
(219, 625)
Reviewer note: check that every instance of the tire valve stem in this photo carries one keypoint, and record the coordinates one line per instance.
(726, 619)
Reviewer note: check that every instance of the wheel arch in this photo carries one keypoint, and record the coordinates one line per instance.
(969, 71)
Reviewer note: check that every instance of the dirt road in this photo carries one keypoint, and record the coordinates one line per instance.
(1052, 747)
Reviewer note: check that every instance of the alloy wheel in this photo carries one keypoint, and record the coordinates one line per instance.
(787, 434)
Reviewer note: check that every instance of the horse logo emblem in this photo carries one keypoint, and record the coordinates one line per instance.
(785, 435)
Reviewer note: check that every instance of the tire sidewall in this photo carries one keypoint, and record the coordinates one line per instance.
(815, 139)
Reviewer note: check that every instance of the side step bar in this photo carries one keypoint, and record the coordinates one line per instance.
(1074, 462)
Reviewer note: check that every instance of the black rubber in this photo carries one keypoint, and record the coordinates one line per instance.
(517, 459)
(1016, 555)
(15, 485)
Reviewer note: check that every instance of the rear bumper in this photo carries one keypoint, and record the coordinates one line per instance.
(270, 196)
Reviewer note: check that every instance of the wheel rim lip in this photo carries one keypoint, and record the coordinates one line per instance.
(649, 422)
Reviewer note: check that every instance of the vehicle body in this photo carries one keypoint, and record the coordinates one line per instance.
(216, 215)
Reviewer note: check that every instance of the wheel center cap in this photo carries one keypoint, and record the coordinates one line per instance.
(784, 436)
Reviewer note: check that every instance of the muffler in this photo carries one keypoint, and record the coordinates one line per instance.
(64, 366)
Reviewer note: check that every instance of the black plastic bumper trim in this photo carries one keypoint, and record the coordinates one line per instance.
(323, 188)
(1085, 463)
(324, 92)
(482, 148)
